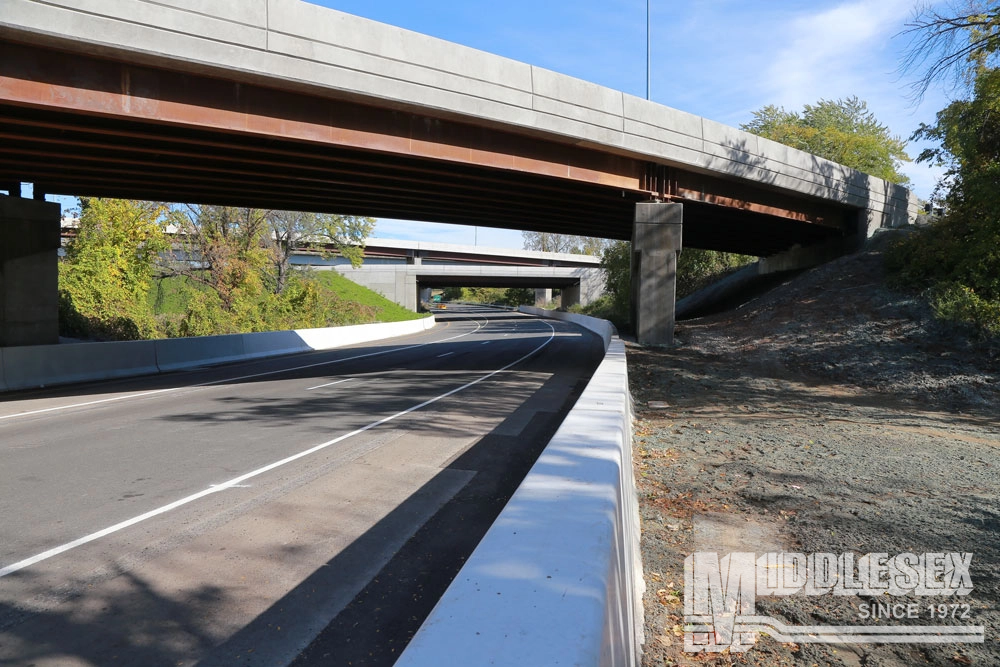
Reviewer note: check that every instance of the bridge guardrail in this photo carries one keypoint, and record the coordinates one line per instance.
(558, 577)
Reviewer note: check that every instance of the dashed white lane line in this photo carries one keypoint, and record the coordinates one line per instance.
(237, 481)
(330, 384)
(446, 354)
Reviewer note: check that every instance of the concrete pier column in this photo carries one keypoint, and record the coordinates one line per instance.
(29, 272)
(656, 240)
(542, 297)
(570, 296)
(425, 295)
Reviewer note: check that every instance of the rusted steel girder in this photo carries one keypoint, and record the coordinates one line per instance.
(43, 78)
(84, 125)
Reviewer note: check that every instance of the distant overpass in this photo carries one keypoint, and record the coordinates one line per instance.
(401, 270)
(283, 104)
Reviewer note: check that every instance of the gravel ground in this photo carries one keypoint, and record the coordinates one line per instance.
(829, 415)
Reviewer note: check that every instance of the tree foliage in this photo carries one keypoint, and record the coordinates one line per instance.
(958, 258)
(295, 230)
(953, 49)
(105, 278)
(568, 243)
(844, 131)
(500, 296)
(617, 263)
(230, 268)
(240, 259)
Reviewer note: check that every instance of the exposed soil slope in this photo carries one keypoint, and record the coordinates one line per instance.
(830, 415)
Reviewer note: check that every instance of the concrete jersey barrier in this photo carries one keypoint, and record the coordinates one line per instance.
(602, 328)
(46, 365)
(557, 580)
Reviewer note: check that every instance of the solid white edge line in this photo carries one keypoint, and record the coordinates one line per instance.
(236, 379)
(45, 555)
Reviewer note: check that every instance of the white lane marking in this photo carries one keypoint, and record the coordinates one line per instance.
(235, 379)
(486, 343)
(446, 354)
(330, 384)
(83, 405)
(236, 481)
(229, 486)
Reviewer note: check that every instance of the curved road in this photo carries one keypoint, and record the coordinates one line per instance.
(242, 514)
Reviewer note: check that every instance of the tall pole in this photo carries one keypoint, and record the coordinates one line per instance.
(647, 49)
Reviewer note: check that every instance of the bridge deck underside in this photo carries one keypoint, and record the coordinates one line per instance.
(90, 127)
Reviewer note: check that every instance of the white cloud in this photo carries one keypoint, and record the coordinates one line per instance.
(835, 52)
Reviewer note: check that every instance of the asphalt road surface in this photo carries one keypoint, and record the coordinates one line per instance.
(310, 508)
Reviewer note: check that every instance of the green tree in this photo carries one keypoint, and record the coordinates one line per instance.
(568, 243)
(953, 49)
(699, 268)
(105, 278)
(294, 230)
(224, 250)
(958, 258)
(844, 131)
(617, 262)
(518, 296)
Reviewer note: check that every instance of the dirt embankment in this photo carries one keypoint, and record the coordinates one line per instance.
(831, 415)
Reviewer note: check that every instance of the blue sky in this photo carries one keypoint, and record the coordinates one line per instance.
(720, 59)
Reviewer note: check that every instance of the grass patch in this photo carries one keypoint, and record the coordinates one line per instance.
(348, 290)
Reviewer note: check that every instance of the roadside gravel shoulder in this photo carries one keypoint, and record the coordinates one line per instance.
(829, 415)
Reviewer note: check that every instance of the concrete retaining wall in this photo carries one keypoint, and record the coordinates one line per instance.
(46, 365)
(557, 580)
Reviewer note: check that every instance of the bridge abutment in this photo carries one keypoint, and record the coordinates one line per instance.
(29, 272)
(543, 297)
(656, 241)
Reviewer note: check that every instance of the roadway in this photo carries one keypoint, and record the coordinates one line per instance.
(245, 513)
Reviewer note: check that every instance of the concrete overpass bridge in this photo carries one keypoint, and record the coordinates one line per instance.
(283, 104)
(406, 271)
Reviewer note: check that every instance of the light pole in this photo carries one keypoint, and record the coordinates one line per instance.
(647, 49)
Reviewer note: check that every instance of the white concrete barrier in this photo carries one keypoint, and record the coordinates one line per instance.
(324, 339)
(272, 343)
(602, 328)
(176, 353)
(47, 365)
(557, 580)
(44, 365)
